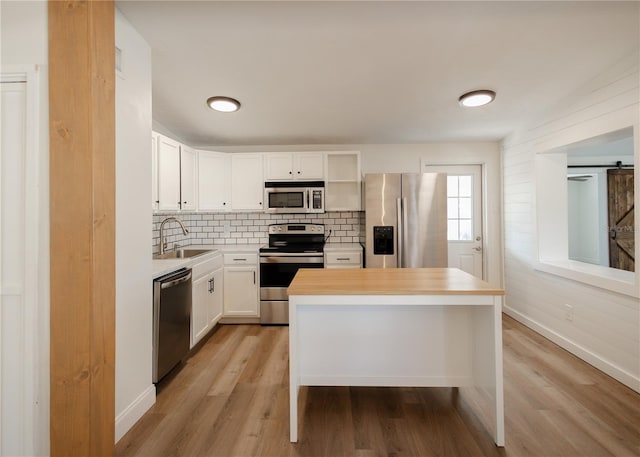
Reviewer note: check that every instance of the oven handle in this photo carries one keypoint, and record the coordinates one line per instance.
(291, 259)
(291, 254)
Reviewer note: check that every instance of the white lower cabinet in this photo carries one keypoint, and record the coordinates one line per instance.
(343, 256)
(241, 285)
(207, 295)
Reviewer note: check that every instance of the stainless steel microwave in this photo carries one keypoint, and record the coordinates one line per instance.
(294, 196)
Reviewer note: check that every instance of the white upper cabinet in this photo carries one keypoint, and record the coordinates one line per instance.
(247, 181)
(154, 171)
(284, 166)
(343, 189)
(214, 181)
(187, 178)
(174, 174)
(168, 174)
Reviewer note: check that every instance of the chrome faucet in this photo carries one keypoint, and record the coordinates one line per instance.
(163, 241)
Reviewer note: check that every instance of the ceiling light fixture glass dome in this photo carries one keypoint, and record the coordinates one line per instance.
(477, 98)
(223, 104)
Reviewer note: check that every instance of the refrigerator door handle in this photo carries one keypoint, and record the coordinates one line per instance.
(403, 234)
(399, 246)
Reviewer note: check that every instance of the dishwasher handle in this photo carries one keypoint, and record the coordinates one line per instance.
(175, 280)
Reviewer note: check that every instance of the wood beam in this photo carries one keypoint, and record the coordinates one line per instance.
(82, 226)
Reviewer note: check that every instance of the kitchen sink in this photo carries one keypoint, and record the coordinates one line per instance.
(182, 253)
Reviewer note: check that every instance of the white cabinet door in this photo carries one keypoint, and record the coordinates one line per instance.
(216, 286)
(199, 308)
(154, 171)
(168, 174)
(241, 291)
(294, 166)
(309, 166)
(278, 167)
(187, 178)
(214, 170)
(247, 182)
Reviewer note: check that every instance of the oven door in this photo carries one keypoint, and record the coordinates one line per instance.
(277, 272)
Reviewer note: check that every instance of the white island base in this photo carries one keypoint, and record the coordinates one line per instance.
(396, 327)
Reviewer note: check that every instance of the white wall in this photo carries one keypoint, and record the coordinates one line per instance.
(24, 49)
(135, 392)
(24, 32)
(398, 158)
(605, 330)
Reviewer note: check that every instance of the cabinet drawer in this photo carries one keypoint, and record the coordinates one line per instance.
(241, 259)
(343, 258)
(206, 266)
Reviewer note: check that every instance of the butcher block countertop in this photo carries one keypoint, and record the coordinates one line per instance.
(389, 281)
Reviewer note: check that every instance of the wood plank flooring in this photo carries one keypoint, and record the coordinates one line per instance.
(231, 399)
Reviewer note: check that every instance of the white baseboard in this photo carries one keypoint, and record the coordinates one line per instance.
(127, 418)
(601, 364)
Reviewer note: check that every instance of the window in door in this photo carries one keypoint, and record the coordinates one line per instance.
(459, 208)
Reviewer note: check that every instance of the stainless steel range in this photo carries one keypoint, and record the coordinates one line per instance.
(291, 246)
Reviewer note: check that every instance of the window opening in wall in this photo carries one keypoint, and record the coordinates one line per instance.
(600, 191)
(574, 197)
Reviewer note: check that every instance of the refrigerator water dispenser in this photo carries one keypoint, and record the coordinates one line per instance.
(383, 240)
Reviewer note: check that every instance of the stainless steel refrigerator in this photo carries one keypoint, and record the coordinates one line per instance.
(406, 220)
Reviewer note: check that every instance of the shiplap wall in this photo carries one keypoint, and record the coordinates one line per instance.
(605, 330)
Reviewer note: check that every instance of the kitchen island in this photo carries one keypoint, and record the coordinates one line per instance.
(408, 327)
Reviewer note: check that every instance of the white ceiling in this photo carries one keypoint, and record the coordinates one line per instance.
(371, 72)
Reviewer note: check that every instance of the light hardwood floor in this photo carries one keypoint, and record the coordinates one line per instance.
(231, 399)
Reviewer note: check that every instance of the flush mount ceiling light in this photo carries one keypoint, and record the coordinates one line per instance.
(477, 98)
(223, 104)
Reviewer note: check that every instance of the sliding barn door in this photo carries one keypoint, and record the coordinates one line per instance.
(621, 219)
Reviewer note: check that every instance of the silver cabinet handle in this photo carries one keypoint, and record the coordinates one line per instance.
(254, 277)
(240, 259)
(343, 258)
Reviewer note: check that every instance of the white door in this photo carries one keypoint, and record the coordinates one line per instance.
(464, 215)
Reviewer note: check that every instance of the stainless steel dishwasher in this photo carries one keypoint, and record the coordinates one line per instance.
(171, 321)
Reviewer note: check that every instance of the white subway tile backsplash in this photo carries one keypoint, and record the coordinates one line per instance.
(243, 228)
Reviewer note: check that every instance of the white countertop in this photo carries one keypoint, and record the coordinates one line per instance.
(161, 267)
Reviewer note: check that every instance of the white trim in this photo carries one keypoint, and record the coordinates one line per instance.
(35, 431)
(619, 281)
(626, 378)
(127, 418)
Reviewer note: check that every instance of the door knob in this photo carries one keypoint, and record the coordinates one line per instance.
(477, 249)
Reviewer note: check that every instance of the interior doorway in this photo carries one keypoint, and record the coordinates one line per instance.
(464, 216)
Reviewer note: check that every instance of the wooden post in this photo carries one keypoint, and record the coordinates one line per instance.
(82, 226)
